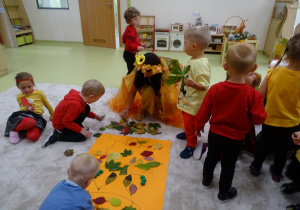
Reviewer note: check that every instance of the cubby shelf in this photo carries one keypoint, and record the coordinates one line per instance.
(147, 28)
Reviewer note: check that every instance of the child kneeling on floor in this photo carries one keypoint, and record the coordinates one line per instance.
(72, 111)
(71, 193)
(231, 107)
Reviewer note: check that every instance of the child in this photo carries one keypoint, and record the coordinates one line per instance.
(130, 38)
(192, 93)
(293, 172)
(231, 107)
(281, 87)
(71, 193)
(72, 111)
(29, 118)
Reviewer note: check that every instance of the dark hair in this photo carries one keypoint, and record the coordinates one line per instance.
(292, 50)
(154, 81)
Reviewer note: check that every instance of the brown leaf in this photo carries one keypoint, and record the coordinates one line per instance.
(69, 152)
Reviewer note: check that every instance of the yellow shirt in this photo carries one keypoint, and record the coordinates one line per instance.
(34, 102)
(190, 100)
(283, 97)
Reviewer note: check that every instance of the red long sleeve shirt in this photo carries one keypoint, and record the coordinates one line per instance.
(68, 110)
(131, 39)
(231, 109)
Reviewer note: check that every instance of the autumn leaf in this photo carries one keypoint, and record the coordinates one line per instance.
(113, 156)
(153, 131)
(114, 201)
(112, 166)
(126, 153)
(113, 123)
(132, 189)
(132, 144)
(147, 166)
(124, 170)
(132, 123)
(125, 131)
(133, 160)
(119, 127)
(99, 200)
(98, 153)
(140, 130)
(154, 125)
(157, 146)
(112, 177)
(103, 157)
(140, 161)
(146, 153)
(122, 121)
(69, 152)
(97, 135)
(148, 158)
(102, 129)
(128, 208)
(127, 180)
(142, 142)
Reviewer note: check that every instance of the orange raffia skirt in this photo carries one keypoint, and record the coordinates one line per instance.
(146, 102)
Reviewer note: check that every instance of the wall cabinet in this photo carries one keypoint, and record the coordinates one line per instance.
(146, 31)
(19, 31)
(216, 44)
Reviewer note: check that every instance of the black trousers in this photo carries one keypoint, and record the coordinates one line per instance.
(230, 149)
(72, 136)
(129, 59)
(277, 138)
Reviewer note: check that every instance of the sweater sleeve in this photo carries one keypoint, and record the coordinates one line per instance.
(47, 104)
(92, 115)
(257, 112)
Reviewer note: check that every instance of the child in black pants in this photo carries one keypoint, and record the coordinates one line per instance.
(293, 172)
(71, 112)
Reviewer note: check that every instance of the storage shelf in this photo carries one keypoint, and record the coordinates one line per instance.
(18, 18)
(12, 5)
(140, 30)
(23, 32)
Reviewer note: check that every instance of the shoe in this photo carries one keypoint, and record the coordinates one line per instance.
(51, 139)
(181, 136)
(200, 150)
(254, 171)
(290, 188)
(293, 207)
(205, 184)
(187, 152)
(223, 198)
(14, 137)
(275, 177)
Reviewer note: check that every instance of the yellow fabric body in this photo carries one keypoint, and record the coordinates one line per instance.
(200, 72)
(37, 99)
(283, 97)
(298, 155)
(146, 102)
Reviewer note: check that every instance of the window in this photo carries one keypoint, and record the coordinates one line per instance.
(52, 4)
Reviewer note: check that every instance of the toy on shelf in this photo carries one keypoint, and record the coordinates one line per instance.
(232, 29)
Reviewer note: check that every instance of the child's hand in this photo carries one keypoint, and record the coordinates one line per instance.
(296, 138)
(99, 117)
(145, 45)
(140, 48)
(189, 82)
(50, 118)
(86, 133)
(123, 114)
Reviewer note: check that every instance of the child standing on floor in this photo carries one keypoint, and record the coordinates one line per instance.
(281, 88)
(72, 111)
(131, 38)
(71, 193)
(293, 172)
(231, 107)
(196, 84)
(29, 118)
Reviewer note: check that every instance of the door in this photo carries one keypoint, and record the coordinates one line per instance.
(97, 22)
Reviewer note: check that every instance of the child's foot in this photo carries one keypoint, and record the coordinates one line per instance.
(181, 136)
(187, 152)
(254, 171)
(275, 177)
(51, 139)
(14, 137)
(205, 184)
(223, 198)
(293, 207)
(290, 188)
(200, 150)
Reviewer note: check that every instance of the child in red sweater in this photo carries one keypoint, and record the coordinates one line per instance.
(71, 112)
(130, 38)
(231, 107)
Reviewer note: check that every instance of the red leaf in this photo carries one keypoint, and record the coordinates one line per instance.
(150, 146)
(102, 157)
(24, 101)
(125, 131)
(99, 200)
(146, 153)
(132, 144)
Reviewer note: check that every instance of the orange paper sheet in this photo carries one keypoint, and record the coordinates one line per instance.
(126, 191)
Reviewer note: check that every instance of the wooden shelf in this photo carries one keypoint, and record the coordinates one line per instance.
(149, 23)
(27, 31)
(215, 47)
(12, 5)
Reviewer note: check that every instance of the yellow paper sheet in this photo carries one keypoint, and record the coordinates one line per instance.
(147, 197)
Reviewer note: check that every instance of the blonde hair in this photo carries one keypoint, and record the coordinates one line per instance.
(23, 76)
(241, 57)
(83, 167)
(92, 87)
(130, 13)
(200, 35)
(297, 29)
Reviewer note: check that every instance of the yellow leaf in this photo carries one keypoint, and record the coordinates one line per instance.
(140, 161)
(140, 130)
(98, 153)
(123, 121)
(157, 146)
(113, 156)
